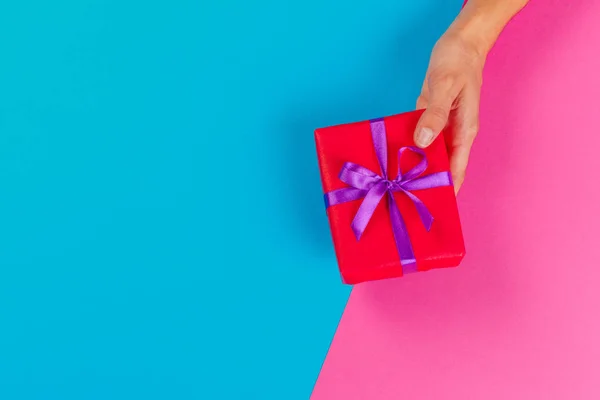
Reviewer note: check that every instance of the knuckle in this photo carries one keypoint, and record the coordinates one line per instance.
(468, 130)
(471, 131)
(440, 78)
(442, 87)
(439, 113)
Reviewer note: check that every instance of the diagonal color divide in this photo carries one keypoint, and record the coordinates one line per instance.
(519, 319)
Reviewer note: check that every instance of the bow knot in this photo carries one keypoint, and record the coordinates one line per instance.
(392, 185)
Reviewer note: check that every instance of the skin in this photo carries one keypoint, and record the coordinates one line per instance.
(452, 87)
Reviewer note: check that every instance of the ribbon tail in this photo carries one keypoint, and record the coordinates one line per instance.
(403, 245)
(422, 210)
(367, 208)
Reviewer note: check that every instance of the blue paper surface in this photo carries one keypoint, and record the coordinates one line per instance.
(162, 231)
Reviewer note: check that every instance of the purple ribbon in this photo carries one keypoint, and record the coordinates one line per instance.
(366, 184)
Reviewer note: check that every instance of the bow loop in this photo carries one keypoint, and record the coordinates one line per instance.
(358, 177)
(367, 208)
(415, 171)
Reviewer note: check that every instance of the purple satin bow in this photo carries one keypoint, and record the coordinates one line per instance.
(366, 184)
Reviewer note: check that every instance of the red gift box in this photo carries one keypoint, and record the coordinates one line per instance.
(376, 254)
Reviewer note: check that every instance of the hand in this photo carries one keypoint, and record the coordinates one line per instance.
(452, 86)
(450, 97)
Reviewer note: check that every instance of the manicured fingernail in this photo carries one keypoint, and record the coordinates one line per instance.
(424, 137)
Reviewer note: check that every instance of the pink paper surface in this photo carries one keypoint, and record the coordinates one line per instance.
(520, 319)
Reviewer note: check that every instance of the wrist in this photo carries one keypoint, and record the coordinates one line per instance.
(480, 22)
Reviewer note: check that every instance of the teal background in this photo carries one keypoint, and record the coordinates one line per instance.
(162, 231)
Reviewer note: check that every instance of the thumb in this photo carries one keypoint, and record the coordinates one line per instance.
(435, 117)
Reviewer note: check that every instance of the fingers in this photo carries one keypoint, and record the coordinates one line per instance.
(438, 97)
(442, 94)
(465, 130)
(458, 165)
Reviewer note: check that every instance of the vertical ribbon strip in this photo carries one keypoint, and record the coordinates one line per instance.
(368, 185)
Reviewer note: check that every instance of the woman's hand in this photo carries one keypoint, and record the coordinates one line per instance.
(450, 96)
(452, 87)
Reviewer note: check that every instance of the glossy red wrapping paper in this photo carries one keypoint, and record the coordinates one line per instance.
(375, 256)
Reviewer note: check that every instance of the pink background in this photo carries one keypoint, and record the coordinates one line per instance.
(520, 318)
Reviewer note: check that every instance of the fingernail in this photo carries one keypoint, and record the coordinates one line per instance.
(424, 137)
